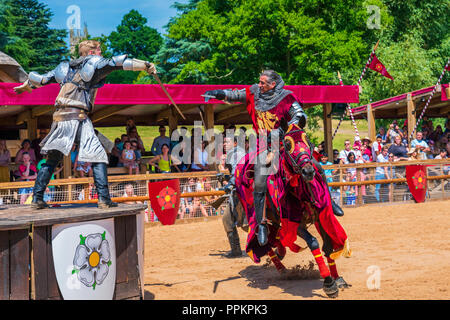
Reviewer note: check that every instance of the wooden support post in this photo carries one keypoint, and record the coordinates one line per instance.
(328, 130)
(67, 167)
(371, 123)
(209, 124)
(31, 128)
(173, 121)
(411, 115)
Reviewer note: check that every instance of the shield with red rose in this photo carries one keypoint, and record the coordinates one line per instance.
(165, 199)
(416, 178)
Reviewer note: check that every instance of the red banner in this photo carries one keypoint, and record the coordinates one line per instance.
(377, 66)
(165, 199)
(416, 178)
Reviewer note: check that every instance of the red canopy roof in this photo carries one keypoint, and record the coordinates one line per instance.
(148, 94)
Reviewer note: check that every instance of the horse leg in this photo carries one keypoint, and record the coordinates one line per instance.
(276, 261)
(328, 249)
(329, 283)
(340, 282)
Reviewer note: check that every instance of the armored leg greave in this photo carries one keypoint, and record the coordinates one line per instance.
(43, 178)
(101, 182)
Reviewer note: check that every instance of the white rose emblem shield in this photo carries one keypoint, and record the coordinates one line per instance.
(84, 256)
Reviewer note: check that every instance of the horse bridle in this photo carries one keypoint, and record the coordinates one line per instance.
(297, 167)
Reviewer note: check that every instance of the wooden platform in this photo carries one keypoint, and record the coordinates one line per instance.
(26, 255)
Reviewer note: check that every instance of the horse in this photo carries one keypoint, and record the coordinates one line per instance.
(287, 216)
(306, 200)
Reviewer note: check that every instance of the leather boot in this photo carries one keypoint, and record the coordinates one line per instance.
(233, 239)
(99, 171)
(262, 233)
(40, 185)
(337, 210)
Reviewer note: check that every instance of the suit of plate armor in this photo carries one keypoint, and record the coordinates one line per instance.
(79, 80)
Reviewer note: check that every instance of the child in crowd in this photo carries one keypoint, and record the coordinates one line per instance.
(129, 158)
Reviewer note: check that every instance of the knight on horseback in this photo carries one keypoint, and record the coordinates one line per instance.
(267, 102)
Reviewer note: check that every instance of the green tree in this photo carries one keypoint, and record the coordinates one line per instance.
(135, 38)
(28, 31)
(10, 43)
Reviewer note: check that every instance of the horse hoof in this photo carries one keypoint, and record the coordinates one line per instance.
(341, 283)
(280, 252)
(262, 235)
(330, 288)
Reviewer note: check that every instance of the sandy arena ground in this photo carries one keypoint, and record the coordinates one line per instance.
(409, 244)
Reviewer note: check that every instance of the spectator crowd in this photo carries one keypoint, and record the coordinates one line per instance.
(128, 151)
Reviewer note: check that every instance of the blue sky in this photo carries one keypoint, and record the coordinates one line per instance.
(103, 16)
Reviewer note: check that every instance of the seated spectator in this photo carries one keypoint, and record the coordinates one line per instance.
(368, 149)
(186, 203)
(433, 150)
(442, 154)
(336, 159)
(137, 152)
(134, 136)
(399, 151)
(26, 147)
(447, 126)
(200, 159)
(382, 134)
(394, 131)
(159, 141)
(91, 193)
(128, 158)
(82, 168)
(115, 154)
(420, 144)
(28, 172)
(130, 124)
(377, 147)
(437, 134)
(328, 172)
(128, 192)
(364, 155)
(179, 155)
(382, 173)
(413, 154)
(162, 162)
(343, 155)
(5, 160)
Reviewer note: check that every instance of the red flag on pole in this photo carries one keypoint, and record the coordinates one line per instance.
(377, 66)
(165, 199)
(447, 68)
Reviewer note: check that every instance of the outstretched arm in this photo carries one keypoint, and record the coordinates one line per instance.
(227, 95)
(36, 80)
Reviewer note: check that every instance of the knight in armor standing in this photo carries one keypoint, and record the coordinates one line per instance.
(234, 215)
(267, 103)
(79, 80)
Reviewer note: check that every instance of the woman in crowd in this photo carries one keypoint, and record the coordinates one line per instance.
(28, 172)
(163, 161)
(399, 150)
(26, 148)
(5, 160)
